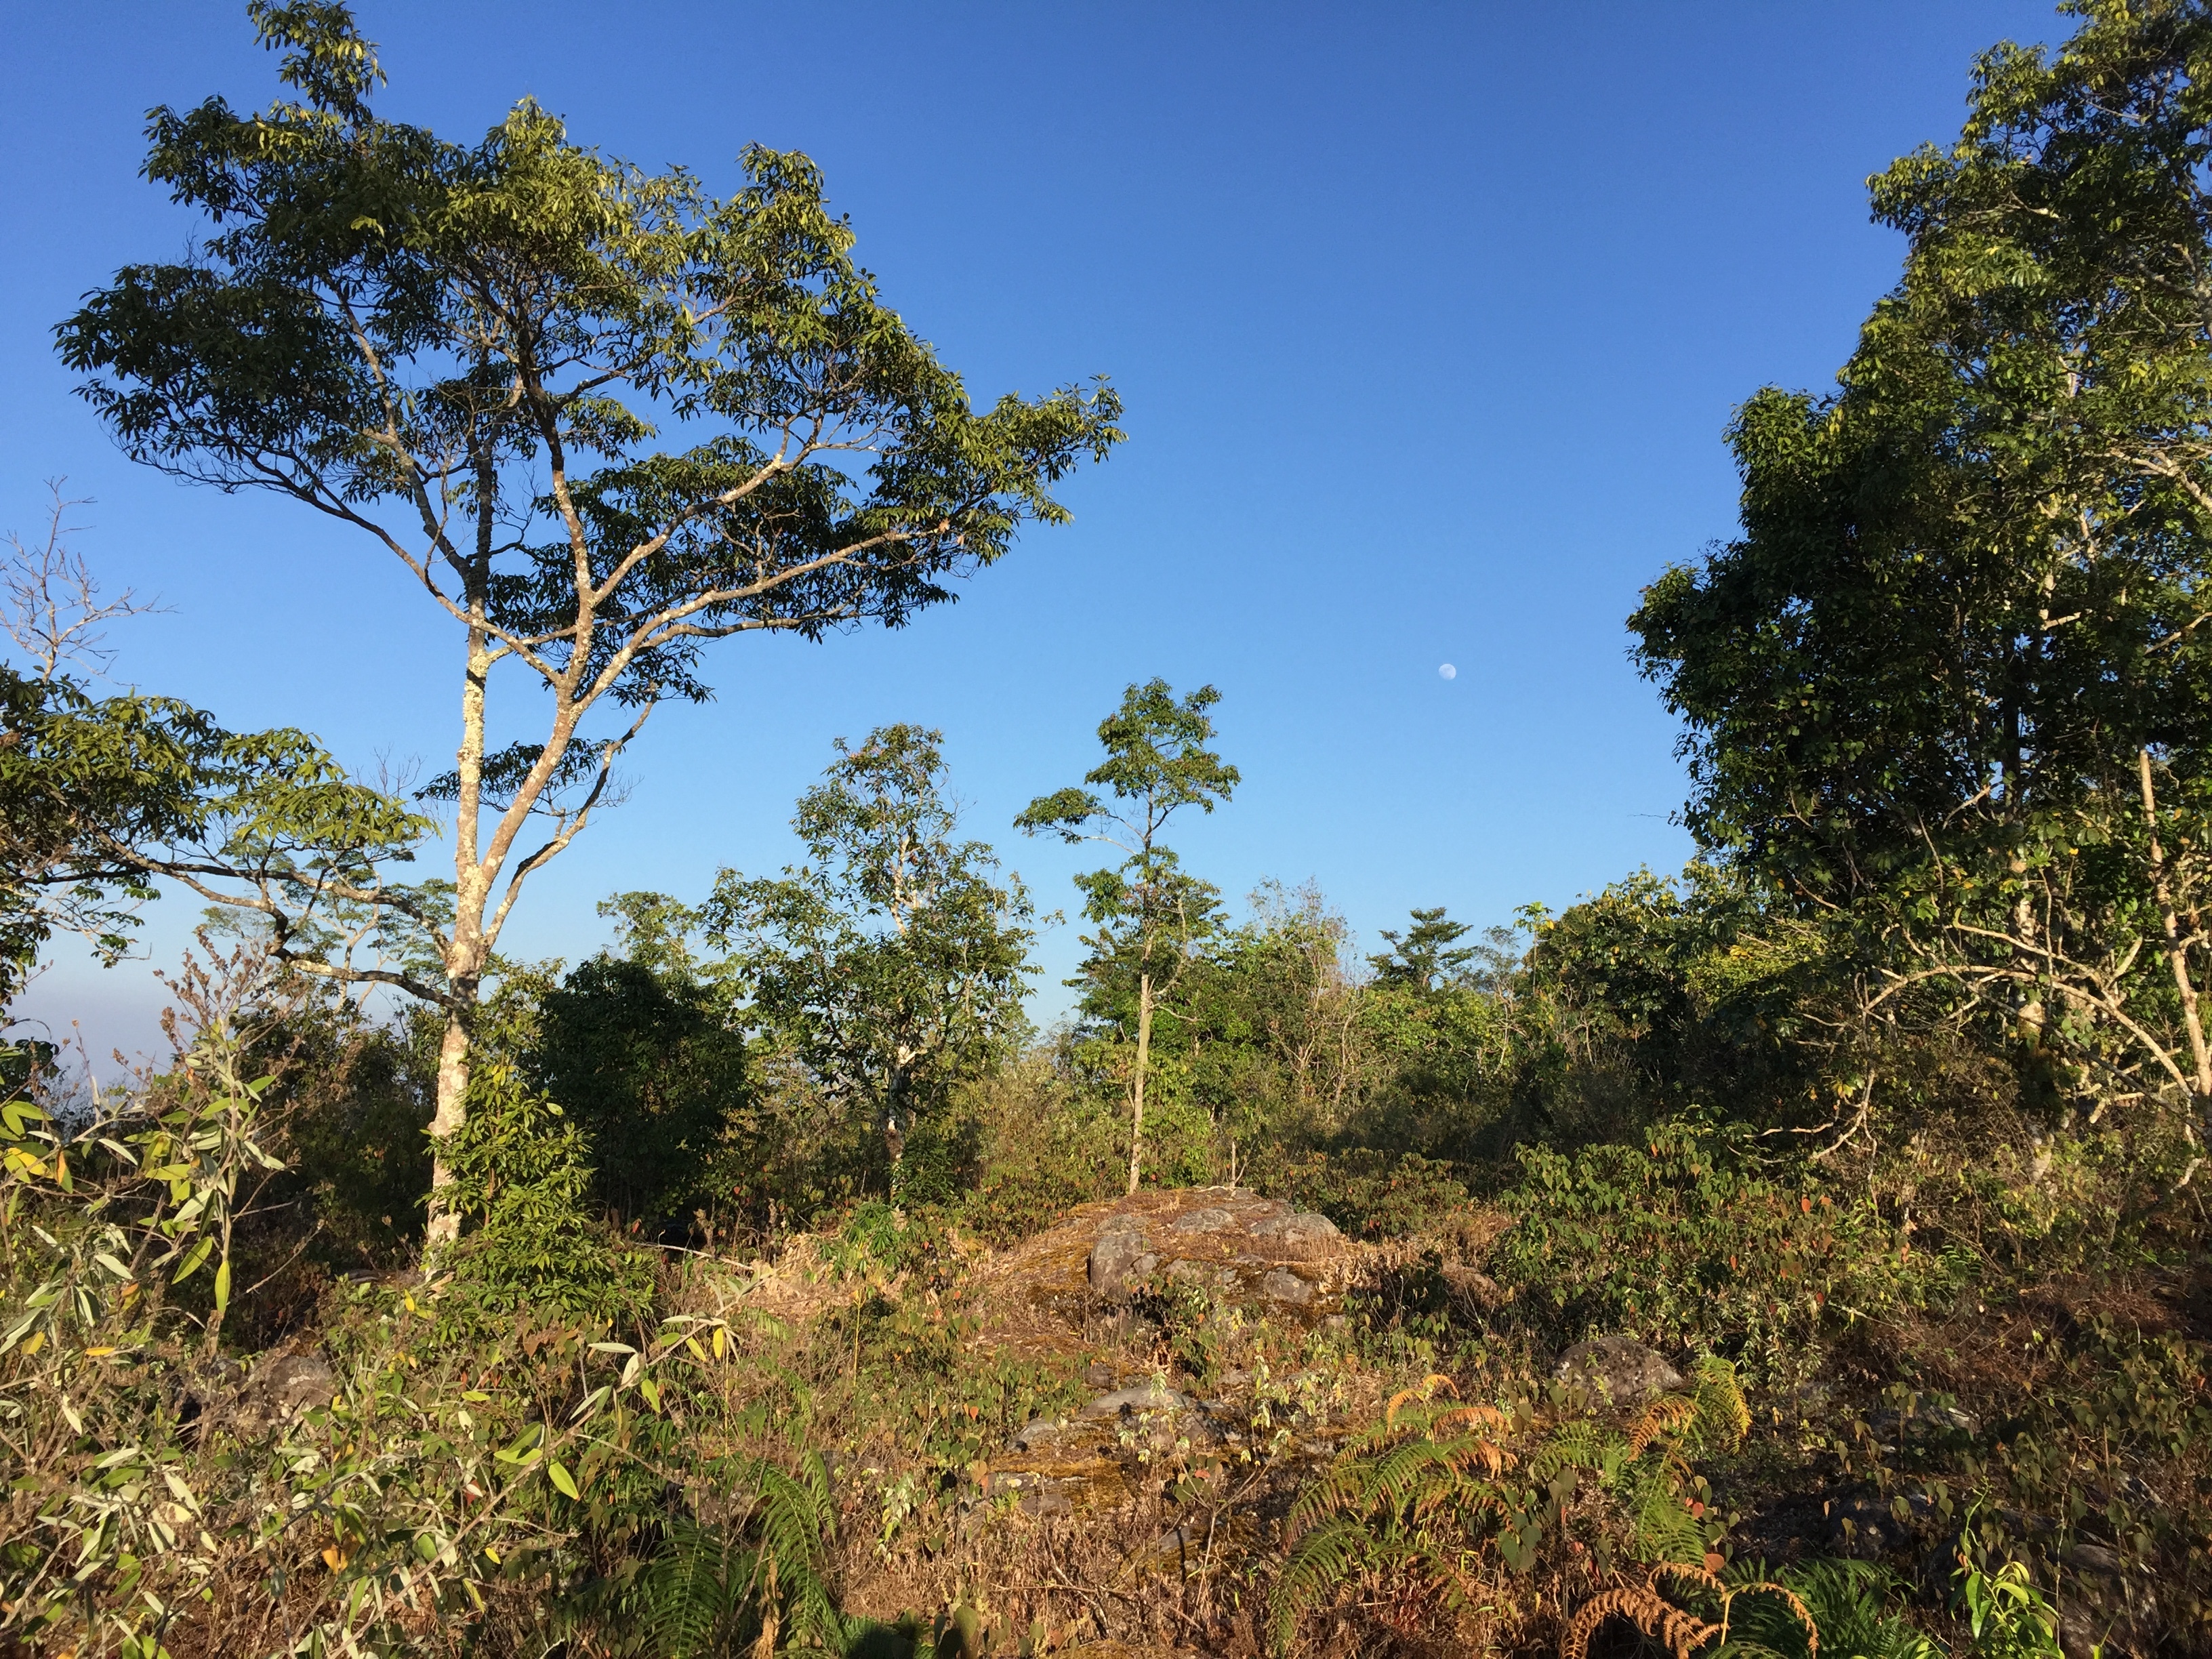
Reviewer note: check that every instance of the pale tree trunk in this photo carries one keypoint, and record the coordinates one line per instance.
(1137, 1094)
(464, 953)
(2177, 948)
(895, 1131)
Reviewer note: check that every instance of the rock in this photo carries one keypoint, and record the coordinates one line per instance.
(1927, 1418)
(1476, 1292)
(1115, 1258)
(1214, 1219)
(281, 1387)
(1226, 1243)
(1865, 1526)
(2102, 1607)
(1299, 1236)
(1619, 1367)
(1153, 1396)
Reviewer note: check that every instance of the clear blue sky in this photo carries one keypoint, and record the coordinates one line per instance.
(1428, 318)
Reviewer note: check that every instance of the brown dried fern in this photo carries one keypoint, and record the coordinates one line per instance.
(1424, 1390)
(1681, 1632)
(1668, 1414)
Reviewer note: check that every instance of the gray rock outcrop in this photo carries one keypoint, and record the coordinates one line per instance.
(1619, 1367)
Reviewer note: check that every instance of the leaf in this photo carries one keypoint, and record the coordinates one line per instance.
(193, 1260)
(591, 1402)
(562, 1480)
(223, 1285)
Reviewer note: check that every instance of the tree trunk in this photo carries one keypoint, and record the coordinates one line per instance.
(1137, 1094)
(464, 952)
(895, 1131)
(2177, 948)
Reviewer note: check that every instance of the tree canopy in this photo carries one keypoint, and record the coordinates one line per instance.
(599, 417)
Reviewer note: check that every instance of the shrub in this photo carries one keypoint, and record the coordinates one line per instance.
(1685, 1242)
(1369, 1194)
(522, 1180)
(1424, 1501)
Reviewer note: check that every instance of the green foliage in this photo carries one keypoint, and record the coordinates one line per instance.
(891, 965)
(1850, 1604)
(522, 1181)
(2007, 1616)
(1417, 1501)
(1947, 689)
(758, 1579)
(646, 1062)
(99, 797)
(1367, 1193)
(1428, 955)
(1685, 1241)
(1149, 914)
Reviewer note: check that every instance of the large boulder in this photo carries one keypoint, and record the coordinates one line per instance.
(1237, 1245)
(1618, 1367)
(1121, 1258)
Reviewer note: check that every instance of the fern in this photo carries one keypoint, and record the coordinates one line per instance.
(761, 1584)
(1401, 1498)
(1579, 1444)
(1723, 1415)
(1323, 1558)
(1681, 1631)
(1664, 1529)
(696, 1591)
(1848, 1604)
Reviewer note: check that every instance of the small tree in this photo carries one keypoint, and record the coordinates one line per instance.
(598, 417)
(1428, 954)
(1147, 910)
(893, 963)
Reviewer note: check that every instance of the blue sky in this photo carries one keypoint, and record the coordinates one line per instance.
(1429, 318)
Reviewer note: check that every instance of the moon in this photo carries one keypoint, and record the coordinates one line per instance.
(1447, 671)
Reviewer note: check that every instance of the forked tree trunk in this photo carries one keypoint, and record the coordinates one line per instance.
(1137, 1094)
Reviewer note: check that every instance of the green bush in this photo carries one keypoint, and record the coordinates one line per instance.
(521, 1181)
(1685, 1241)
(1369, 1194)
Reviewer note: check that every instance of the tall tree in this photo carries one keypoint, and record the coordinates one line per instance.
(470, 353)
(893, 963)
(1428, 954)
(1952, 681)
(1148, 911)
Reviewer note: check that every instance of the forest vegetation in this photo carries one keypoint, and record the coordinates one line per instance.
(1801, 1253)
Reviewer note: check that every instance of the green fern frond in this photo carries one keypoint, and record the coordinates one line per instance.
(1323, 1558)
(1849, 1603)
(1579, 1444)
(1665, 1530)
(1723, 1415)
(695, 1589)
